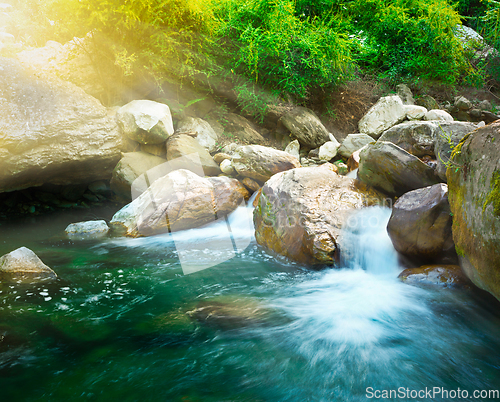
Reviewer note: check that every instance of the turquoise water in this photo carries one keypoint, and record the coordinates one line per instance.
(123, 322)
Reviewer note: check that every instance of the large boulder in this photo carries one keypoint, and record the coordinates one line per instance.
(205, 134)
(387, 112)
(474, 183)
(240, 128)
(260, 163)
(177, 201)
(131, 166)
(186, 147)
(448, 135)
(23, 265)
(145, 121)
(415, 137)
(392, 170)
(52, 132)
(306, 127)
(353, 142)
(420, 224)
(300, 212)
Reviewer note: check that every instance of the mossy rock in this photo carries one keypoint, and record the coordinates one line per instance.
(474, 195)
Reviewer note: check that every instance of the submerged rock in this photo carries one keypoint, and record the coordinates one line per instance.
(177, 201)
(260, 163)
(420, 224)
(23, 265)
(306, 127)
(474, 185)
(300, 212)
(145, 121)
(440, 275)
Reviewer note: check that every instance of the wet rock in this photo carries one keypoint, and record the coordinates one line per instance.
(306, 127)
(260, 163)
(387, 112)
(474, 187)
(436, 114)
(186, 147)
(428, 102)
(447, 136)
(88, 229)
(145, 121)
(405, 94)
(392, 170)
(205, 134)
(177, 201)
(415, 137)
(66, 138)
(420, 224)
(242, 129)
(131, 166)
(300, 212)
(440, 275)
(23, 265)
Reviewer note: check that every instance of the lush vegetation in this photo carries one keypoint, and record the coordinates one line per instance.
(279, 47)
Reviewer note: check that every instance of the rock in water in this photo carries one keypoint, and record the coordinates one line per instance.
(392, 170)
(52, 132)
(306, 127)
(260, 163)
(23, 265)
(300, 212)
(177, 201)
(440, 275)
(474, 185)
(88, 229)
(420, 224)
(145, 121)
(387, 112)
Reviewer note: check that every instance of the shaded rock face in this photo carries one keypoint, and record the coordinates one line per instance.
(428, 102)
(438, 275)
(23, 265)
(260, 163)
(52, 132)
(420, 224)
(242, 129)
(392, 170)
(306, 127)
(145, 121)
(415, 137)
(180, 200)
(205, 134)
(387, 112)
(300, 212)
(185, 146)
(131, 166)
(474, 186)
(448, 135)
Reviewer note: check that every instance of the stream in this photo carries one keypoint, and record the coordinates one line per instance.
(208, 315)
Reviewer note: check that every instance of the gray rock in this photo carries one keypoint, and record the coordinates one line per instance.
(293, 148)
(415, 112)
(23, 265)
(352, 143)
(420, 224)
(306, 127)
(405, 94)
(86, 230)
(392, 170)
(484, 105)
(131, 166)
(186, 147)
(436, 114)
(52, 132)
(415, 137)
(260, 163)
(387, 112)
(328, 150)
(242, 129)
(428, 102)
(205, 134)
(145, 121)
(462, 103)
